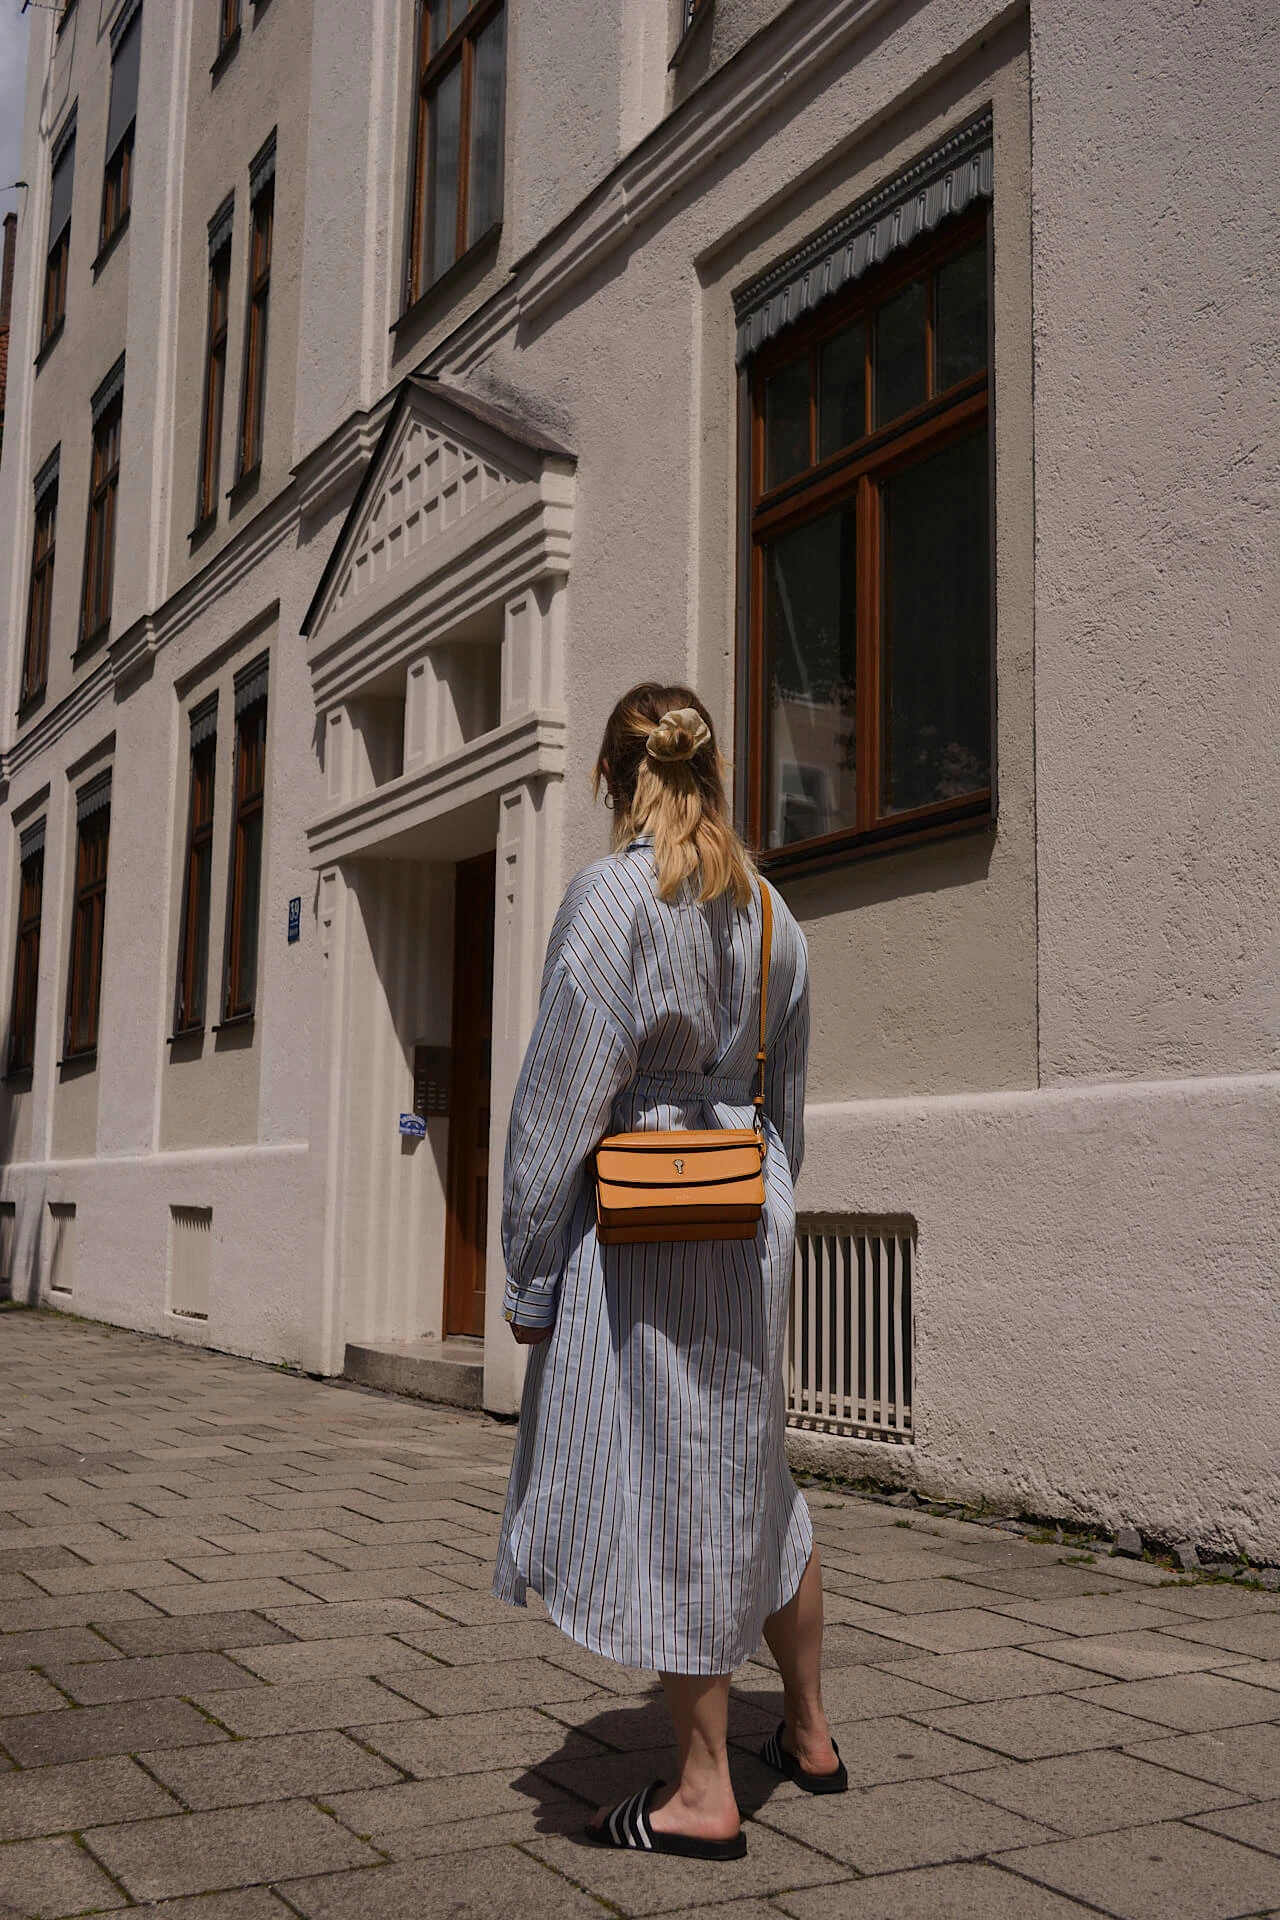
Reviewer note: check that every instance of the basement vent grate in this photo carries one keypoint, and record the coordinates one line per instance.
(8, 1232)
(190, 1261)
(62, 1254)
(849, 1347)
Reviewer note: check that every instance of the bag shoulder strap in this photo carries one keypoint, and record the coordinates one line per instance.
(766, 948)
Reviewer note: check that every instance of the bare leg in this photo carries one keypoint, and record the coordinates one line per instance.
(794, 1636)
(701, 1802)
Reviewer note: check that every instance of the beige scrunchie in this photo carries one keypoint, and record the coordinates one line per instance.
(678, 735)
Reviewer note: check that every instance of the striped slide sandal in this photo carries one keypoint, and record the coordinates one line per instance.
(775, 1755)
(628, 1826)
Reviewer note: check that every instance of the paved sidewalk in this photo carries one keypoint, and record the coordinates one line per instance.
(250, 1667)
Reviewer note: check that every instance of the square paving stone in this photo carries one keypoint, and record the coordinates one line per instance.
(46, 1879)
(28, 1693)
(197, 1633)
(1082, 1793)
(632, 1725)
(868, 1693)
(1258, 1673)
(915, 1563)
(49, 1800)
(498, 1883)
(179, 1674)
(491, 1830)
(1245, 1759)
(916, 1823)
(278, 1767)
(902, 1596)
(90, 1733)
(108, 1578)
(210, 1852)
(467, 1608)
(614, 1679)
(82, 1610)
(475, 1743)
(507, 1683)
(1190, 1702)
(1216, 1601)
(306, 1709)
(894, 1749)
(1044, 1583)
(1257, 1826)
(376, 1583)
(1037, 1727)
(1135, 1656)
(997, 1673)
(965, 1630)
(223, 1596)
(634, 1883)
(314, 1660)
(428, 1803)
(515, 1639)
(255, 1903)
(972, 1891)
(210, 1567)
(1258, 1635)
(1169, 1872)
(349, 1619)
(47, 1649)
(1104, 1614)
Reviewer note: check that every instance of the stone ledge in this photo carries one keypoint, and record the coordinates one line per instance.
(448, 1371)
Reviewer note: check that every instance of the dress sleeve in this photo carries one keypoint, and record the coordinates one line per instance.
(787, 1063)
(578, 1060)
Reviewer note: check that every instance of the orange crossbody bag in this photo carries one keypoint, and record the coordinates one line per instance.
(703, 1183)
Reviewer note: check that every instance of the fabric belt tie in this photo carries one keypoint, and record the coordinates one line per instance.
(727, 1090)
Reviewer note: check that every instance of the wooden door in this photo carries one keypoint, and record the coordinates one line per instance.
(468, 1178)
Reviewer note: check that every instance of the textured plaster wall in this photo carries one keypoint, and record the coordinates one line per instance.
(1157, 142)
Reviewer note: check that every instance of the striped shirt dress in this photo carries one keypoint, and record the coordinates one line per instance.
(650, 1501)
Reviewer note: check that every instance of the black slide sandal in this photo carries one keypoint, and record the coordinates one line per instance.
(775, 1755)
(628, 1826)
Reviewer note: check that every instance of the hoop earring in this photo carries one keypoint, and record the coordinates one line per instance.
(608, 801)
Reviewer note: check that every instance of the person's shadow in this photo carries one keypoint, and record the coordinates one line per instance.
(619, 1744)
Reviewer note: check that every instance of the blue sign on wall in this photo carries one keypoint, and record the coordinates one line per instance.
(413, 1125)
(295, 919)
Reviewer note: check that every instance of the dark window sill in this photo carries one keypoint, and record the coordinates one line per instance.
(86, 1057)
(49, 342)
(91, 643)
(110, 241)
(224, 56)
(245, 485)
(234, 1021)
(701, 13)
(205, 524)
(814, 856)
(66, 14)
(31, 703)
(19, 1078)
(414, 312)
(181, 1034)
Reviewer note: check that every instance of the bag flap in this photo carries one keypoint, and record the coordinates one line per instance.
(679, 1167)
(674, 1140)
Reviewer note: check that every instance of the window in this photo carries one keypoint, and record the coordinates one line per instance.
(55, 274)
(228, 22)
(456, 196)
(246, 843)
(84, 975)
(104, 479)
(868, 685)
(35, 658)
(215, 365)
(193, 949)
(253, 394)
(26, 965)
(126, 50)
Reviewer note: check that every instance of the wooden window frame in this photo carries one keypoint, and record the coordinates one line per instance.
(193, 965)
(53, 309)
(428, 67)
(35, 658)
(100, 532)
(240, 990)
(26, 964)
(117, 184)
(229, 13)
(253, 386)
(88, 924)
(852, 476)
(215, 383)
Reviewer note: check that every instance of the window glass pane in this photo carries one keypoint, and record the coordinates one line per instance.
(437, 24)
(124, 84)
(199, 959)
(842, 390)
(786, 422)
(810, 641)
(900, 353)
(444, 121)
(961, 323)
(251, 870)
(484, 205)
(936, 739)
(60, 192)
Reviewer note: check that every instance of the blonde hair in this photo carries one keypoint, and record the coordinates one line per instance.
(661, 765)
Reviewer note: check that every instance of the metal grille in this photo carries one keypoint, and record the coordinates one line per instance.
(190, 1259)
(62, 1255)
(849, 1349)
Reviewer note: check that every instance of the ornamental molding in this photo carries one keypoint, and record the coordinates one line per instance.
(527, 748)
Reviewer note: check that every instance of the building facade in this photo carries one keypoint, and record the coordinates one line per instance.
(389, 388)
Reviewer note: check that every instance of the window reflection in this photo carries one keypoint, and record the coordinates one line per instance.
(810, 637)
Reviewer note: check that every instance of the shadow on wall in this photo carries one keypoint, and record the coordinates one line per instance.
(906, 873)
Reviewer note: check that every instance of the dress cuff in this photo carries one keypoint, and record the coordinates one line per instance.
(531, 1306)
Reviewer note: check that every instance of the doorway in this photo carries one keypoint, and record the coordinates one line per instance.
(468, 1172)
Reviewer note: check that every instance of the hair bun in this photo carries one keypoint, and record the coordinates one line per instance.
(678, 735)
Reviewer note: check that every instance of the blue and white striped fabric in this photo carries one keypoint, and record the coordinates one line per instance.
(650, 1501)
